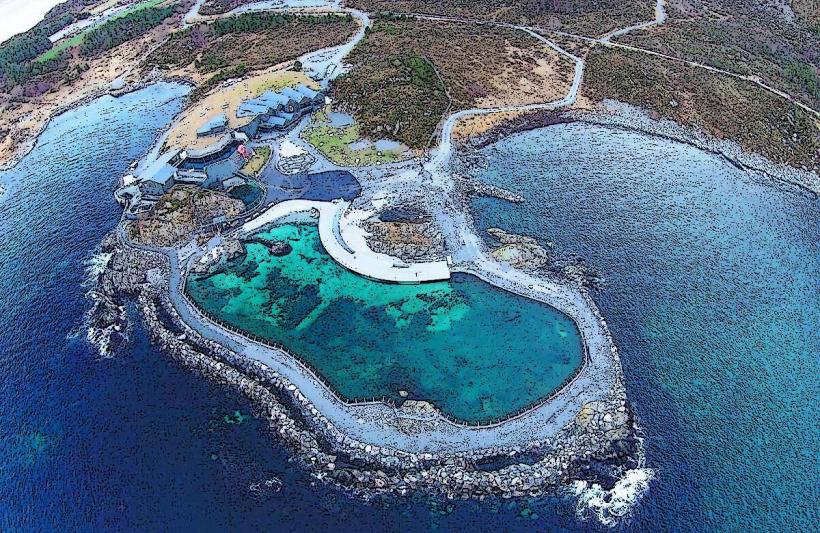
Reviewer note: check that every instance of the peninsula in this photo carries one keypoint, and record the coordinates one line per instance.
(303, 230)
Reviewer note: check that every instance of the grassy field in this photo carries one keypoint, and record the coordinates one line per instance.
(335, 144)
(722, 106)
(78, 39)
(261, 155)
(432, 66)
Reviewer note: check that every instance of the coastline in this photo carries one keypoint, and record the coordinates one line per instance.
(594, 398)
(332, 455)
(618, 115)
(25, 148)
(623, 116)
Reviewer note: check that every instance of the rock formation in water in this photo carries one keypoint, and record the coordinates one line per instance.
(519, 251)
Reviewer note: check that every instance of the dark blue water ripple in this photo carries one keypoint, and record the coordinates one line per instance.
(712, 291)
(135, 442)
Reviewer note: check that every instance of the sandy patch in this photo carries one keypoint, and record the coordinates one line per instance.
(225, 100)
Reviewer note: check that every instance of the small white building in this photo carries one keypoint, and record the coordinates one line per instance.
(160, 176)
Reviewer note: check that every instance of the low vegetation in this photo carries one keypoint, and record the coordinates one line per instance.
(254, 41)
(179, 212)
(116, 29)
(223, 75)
(218, 7)
(722, 106)
(17, 53)
(261, 155)
(407, 72)
(779, 44)
(30, 58)
(339, 146)
(586, 16)
(124, 28)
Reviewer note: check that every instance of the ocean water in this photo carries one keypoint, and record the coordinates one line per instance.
(135, 442)
(711, 287)
(475, 351)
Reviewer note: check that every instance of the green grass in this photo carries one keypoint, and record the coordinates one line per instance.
(78, 39)
(334, 143)
(257, 162)
(60, 47)
(805, 75)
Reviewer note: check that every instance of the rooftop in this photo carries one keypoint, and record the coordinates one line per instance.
(160, 173)
(252, 108)
(307, 91)
(294, 94)
(161, 170)
(218, 122)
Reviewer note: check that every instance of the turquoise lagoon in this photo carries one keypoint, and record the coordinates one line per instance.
(475, 351)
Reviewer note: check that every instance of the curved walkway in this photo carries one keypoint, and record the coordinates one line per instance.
(377, 423)
(345, 242)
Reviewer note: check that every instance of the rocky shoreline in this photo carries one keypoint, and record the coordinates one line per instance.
(27, 146)
(598, 446)
(623, 116)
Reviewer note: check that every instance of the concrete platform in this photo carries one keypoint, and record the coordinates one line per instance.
(345, 241)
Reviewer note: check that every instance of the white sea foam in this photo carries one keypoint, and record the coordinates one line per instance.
(612, 506)
(95, 266)
(98, 337)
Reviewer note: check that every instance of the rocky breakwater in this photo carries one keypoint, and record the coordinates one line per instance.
(467, 187)
(216, 259)
(120, 274)
(527, 254)
(598, 446)
(519, 251)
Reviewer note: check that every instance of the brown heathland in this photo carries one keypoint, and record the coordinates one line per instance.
(408, 72)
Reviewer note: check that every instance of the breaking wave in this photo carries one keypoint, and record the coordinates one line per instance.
(613, 506)
(94, 266)
(103, 325)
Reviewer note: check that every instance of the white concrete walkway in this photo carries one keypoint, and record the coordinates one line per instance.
(345, 241)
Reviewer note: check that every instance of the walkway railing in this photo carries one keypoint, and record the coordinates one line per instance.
(314, 373)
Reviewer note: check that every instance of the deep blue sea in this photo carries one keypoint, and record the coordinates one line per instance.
(710, 289)
(136, 442)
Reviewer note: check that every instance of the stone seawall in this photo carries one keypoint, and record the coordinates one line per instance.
(598, 445)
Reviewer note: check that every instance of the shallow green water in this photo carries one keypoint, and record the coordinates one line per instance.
(475, 351)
